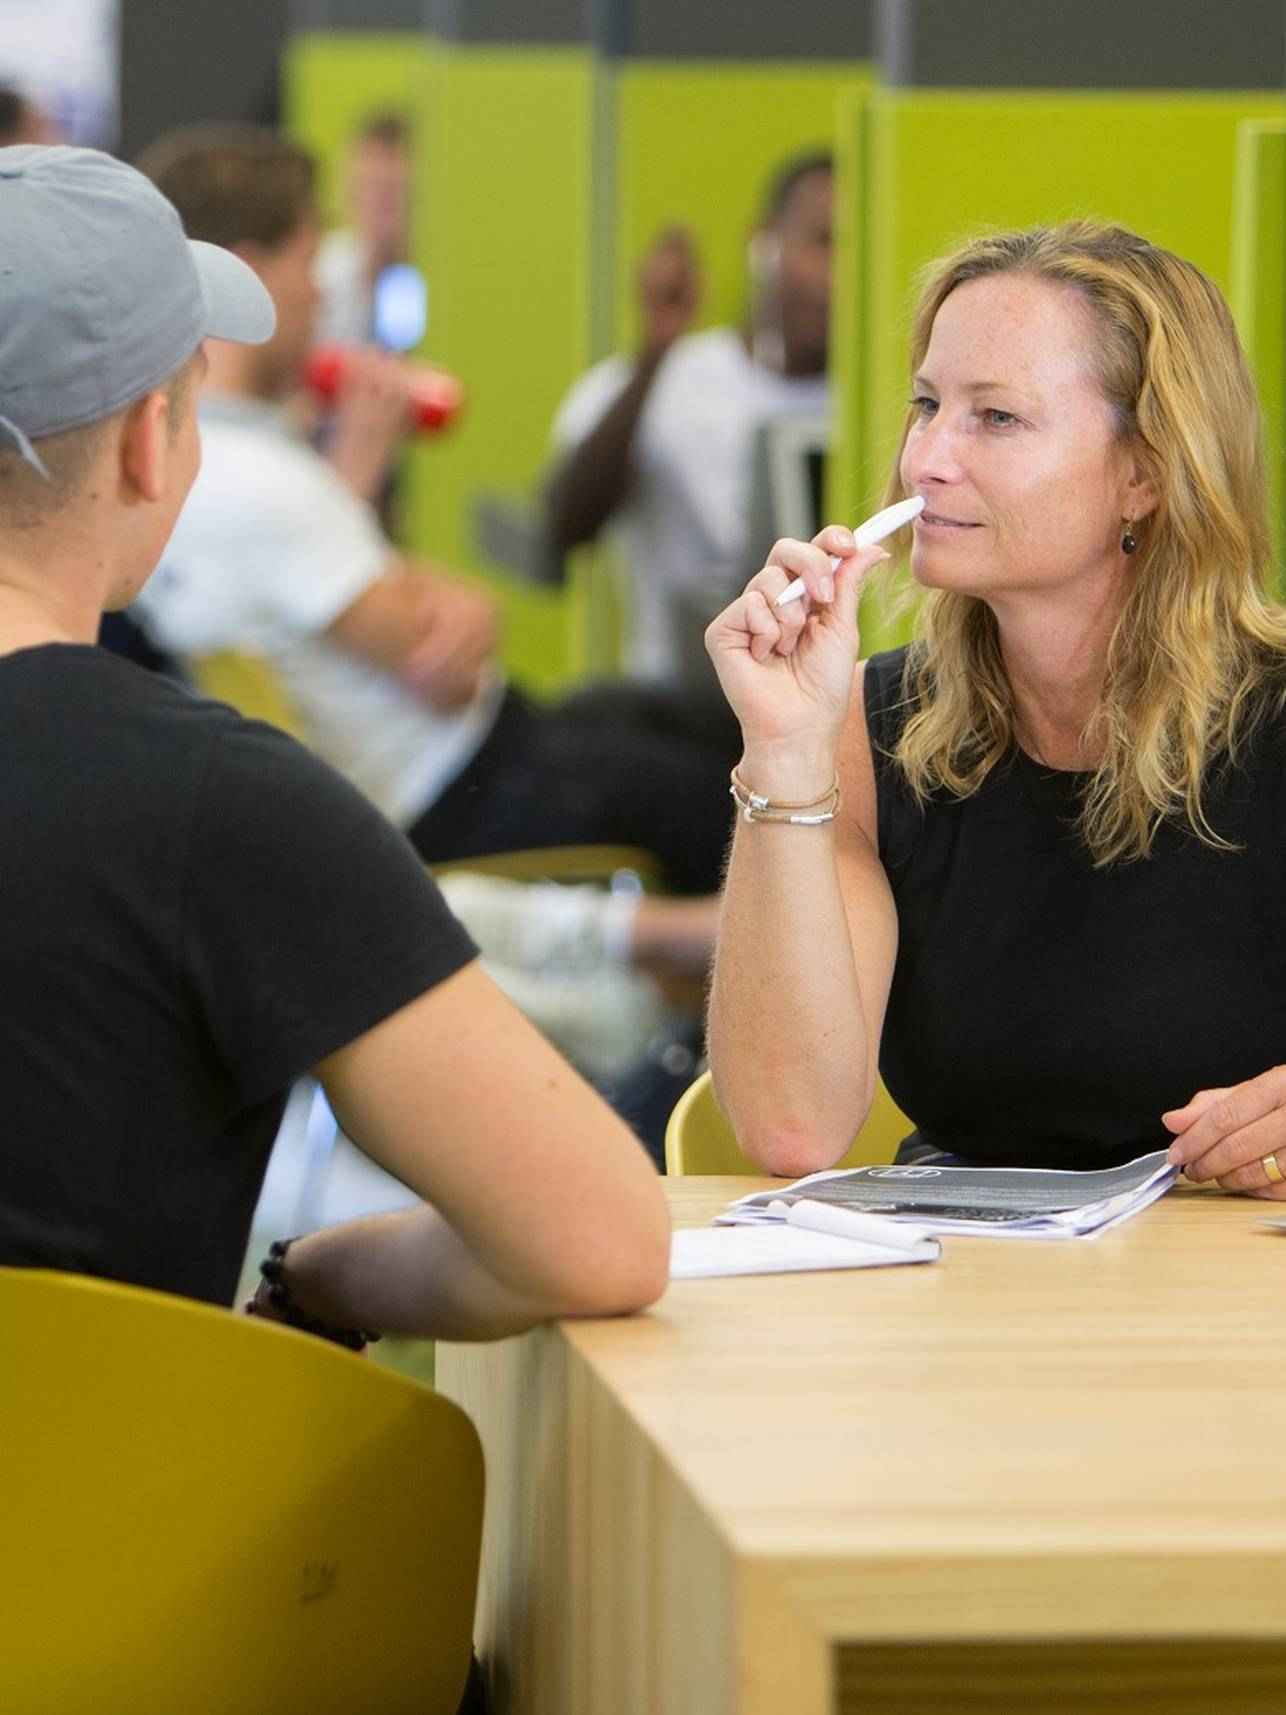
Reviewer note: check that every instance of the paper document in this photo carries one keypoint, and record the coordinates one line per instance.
(697, 1252)
(1004, 1202)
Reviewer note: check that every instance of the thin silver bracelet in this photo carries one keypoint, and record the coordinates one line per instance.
(812, 813)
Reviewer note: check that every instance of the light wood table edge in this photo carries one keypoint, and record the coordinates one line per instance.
(780, 1620)
(1029, 1600)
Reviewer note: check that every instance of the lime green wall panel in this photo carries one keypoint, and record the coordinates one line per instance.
(945, 165)
(503, 205)
(846, 490)
(1258, 292)
(696, 142)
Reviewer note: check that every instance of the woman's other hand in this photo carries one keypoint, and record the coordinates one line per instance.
(1226, 1135)
(788, 671)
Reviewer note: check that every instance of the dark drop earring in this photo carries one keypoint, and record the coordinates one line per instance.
(1129, 541)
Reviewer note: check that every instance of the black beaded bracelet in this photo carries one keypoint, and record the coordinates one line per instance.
(285, 1310)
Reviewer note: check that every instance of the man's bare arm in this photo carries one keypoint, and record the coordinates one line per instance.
(593, 479)
(542, 1202)
(435, 633)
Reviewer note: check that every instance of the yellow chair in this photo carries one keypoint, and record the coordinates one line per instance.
(566, 864)
(699, 1137)
(218, 1516)
(248, 683)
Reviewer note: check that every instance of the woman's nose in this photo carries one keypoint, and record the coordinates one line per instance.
(932, 453)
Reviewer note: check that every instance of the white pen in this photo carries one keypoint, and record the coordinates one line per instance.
(852, 1224)
(866, 536)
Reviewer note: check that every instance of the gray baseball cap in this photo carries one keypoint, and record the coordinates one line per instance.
(102, 297)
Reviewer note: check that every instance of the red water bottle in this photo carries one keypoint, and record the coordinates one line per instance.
(436, 397)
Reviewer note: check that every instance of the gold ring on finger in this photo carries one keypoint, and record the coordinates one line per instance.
(1274, 1172)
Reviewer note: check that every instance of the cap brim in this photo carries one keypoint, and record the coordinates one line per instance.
(237, 304)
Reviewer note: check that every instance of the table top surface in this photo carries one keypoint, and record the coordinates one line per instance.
(1118, 1402)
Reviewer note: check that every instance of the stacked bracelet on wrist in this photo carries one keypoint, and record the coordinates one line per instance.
(811, 813)
(273, 1298)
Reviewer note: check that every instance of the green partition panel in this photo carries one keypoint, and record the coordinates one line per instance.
(1258, 292)
(503, 206)
(946, 164)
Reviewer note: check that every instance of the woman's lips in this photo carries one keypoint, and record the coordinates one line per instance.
(939, 521)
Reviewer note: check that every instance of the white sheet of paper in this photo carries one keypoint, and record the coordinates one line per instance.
(702, 1252)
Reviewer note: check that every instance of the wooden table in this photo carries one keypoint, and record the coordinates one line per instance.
(1033, 1476)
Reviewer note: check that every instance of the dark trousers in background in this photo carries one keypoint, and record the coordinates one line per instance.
(614, 765)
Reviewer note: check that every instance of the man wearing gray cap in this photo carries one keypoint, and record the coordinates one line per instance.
(199, 911)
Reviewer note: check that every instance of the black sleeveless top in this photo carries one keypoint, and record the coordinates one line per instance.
(1044, 1013)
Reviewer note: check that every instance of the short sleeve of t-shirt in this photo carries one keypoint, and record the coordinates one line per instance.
(307, 917)
(269, 548)
(589, 401)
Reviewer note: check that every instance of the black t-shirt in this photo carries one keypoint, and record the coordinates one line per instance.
(193, 912)
(1045, 1013)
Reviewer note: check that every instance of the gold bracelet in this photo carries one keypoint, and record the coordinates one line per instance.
(755, 807)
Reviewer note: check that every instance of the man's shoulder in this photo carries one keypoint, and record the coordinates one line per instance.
(721, 344)
(707, 377)
(169, 709)
(717, 351)
(257, 456)
(67, 675)
(93, 715)
(175, 744)
(721, 357)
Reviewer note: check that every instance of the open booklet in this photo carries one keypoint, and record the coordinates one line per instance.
(808, 1236)
(1003, 1202)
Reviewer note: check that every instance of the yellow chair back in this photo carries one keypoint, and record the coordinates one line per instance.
(566, 864)
(249, 684)
(204, 1513)
(699, 1137)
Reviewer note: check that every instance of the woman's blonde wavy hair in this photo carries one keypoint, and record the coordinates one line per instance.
(1198, 645)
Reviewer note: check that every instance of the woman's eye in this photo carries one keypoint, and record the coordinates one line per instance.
(923, 406)
(999, 419)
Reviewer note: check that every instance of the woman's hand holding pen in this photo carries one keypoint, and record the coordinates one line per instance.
(1235, 1136)
(787, 671)
(797, 1096)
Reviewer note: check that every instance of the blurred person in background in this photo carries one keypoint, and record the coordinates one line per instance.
(372, 299)
(376, 236)
(657, 447)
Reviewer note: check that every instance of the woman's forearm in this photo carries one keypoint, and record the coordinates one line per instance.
(788, 1036)
(809, 930)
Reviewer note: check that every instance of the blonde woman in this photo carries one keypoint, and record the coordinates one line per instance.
(1047, 900)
